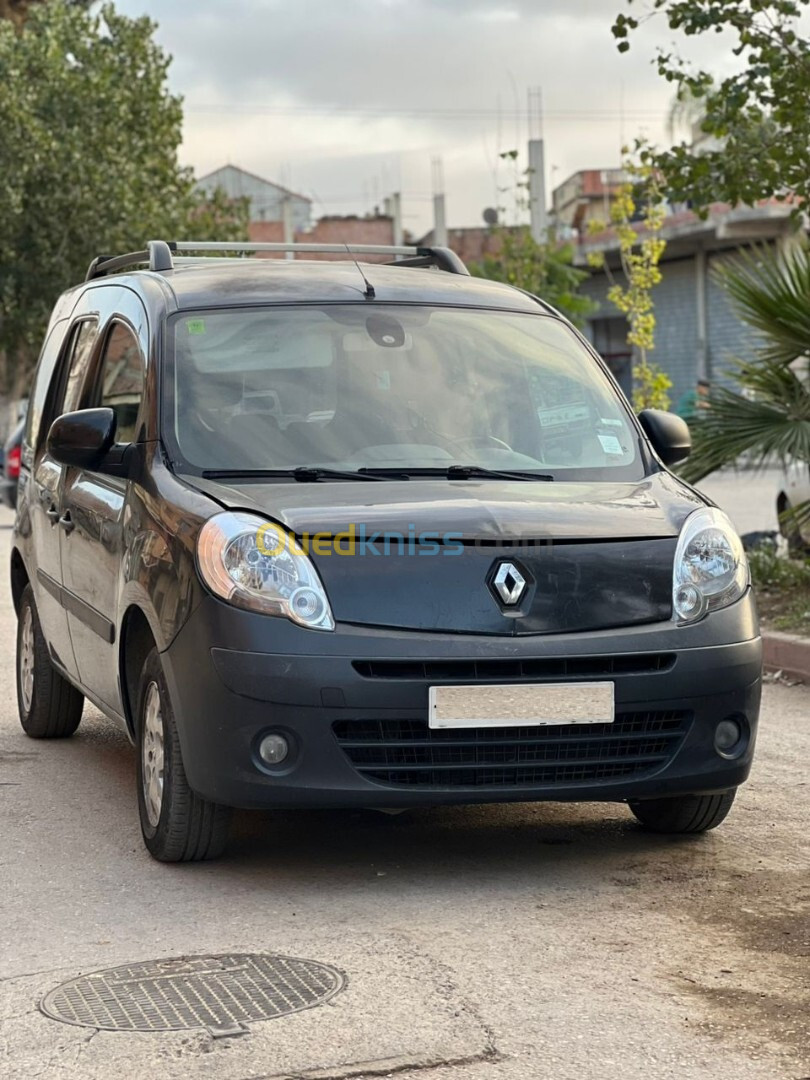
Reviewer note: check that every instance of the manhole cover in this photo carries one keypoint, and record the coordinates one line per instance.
(221, 993)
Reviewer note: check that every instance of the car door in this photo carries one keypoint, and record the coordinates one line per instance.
(53, 396)
(93, 545)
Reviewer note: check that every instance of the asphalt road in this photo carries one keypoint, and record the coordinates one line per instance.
(550, 942)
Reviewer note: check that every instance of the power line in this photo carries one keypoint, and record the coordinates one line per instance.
(449, 113)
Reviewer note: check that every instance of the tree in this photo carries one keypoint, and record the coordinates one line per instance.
(17, 10)
(544, 269)
(767, 414)
(640, 252)
(757, 116)
(88, 156)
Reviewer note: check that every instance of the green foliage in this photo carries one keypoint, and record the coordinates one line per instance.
(783, 589)
(651, 386)
(640, 252)
(758, 113)
(88, 157)
(767, 415)
(546, 270)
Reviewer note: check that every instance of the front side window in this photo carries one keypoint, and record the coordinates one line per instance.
(81, 348)
(392, 387)
(45, 382)
(121, 380)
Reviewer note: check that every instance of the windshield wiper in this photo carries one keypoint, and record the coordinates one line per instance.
(465, 472)
(304, 474)
(471, 472)
(311, 474)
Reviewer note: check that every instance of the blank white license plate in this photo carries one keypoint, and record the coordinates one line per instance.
(525, 706)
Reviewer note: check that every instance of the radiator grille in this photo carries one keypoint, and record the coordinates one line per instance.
(547, 667)
(408, 753)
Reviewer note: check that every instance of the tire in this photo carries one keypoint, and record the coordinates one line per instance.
(683, 814)
(50, 707)
(177, 825)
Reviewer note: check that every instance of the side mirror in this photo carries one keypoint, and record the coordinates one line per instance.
(82, 438)
(668, 433)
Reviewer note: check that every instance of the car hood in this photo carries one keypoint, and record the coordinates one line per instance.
(472, 509)
(592, 555)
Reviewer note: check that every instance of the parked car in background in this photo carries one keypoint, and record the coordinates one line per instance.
(794, 491)
(11, 466)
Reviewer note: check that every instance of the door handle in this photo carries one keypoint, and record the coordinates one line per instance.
(67, 522)
(52, 514)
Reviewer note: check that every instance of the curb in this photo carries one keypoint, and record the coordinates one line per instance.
(786, 653)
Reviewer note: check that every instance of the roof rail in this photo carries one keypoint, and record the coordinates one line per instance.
(442, 257)
(158, 254)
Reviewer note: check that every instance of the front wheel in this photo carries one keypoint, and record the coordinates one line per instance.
(177, 825)
(683, 814)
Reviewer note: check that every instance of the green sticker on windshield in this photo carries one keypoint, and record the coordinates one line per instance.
(195, 326)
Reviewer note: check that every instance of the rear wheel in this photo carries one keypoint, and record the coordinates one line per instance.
(683, 814)
(49, 706)
(177, 825)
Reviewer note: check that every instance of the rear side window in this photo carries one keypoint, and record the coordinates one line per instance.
(122, 379)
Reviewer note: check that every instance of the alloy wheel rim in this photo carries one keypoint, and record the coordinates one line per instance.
(27, 660)
(152, 755)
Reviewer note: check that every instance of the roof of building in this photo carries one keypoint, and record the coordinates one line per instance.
(723, 227)
(202, 180)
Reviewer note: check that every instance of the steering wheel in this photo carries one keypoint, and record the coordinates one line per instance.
(483, 440)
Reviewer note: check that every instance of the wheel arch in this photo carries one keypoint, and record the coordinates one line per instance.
(136, 641)
(19, 578)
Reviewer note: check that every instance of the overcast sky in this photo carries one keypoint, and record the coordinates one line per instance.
(348, 100)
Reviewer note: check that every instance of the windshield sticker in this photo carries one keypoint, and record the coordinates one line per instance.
(610, 444)
(563, 415)
(610, 423)
(195, 326)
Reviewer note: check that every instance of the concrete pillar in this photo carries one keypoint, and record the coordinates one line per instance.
(537, 191)
(703, 371)
(289, 227)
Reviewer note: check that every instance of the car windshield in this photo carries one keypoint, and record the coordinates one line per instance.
(406, 388)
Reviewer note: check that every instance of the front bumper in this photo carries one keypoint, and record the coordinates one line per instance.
(353, 705)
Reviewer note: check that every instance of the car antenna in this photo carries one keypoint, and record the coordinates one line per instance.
(369, 293)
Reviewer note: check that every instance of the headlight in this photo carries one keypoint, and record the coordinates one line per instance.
(253, 564)
(711, 570)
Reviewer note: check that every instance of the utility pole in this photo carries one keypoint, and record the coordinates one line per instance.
(537, 168)
(439, 207)
(393, 208)
(289, 228)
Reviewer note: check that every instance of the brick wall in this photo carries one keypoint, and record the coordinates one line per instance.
(328, 230)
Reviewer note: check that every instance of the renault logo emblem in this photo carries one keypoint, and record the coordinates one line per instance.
(509, 583)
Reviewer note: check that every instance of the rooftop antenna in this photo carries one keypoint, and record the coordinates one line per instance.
(369, 294)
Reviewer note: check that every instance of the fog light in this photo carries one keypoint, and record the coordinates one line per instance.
(728, 737)
(273, 749)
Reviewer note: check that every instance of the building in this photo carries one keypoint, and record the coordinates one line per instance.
(586, 196)
(697, 331)
(277, 214)
(373, 229)
(268, 200)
